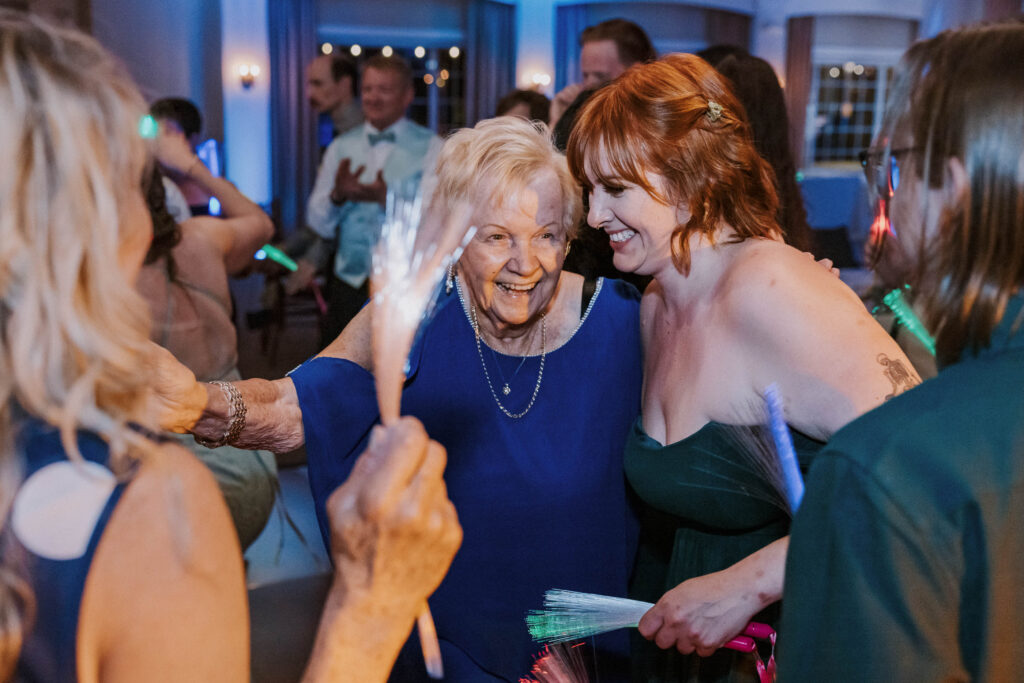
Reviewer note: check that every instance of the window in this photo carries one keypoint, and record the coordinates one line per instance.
(847, 109)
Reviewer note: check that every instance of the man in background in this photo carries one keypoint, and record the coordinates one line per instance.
(606, 51)
(331, 91)
(351, 186)
(179, 116)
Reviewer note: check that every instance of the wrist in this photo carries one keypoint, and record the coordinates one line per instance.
(337, 199)
(223, 418)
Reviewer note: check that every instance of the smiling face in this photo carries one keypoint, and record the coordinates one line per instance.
(386, 94)
(512, 265)
(638, 225)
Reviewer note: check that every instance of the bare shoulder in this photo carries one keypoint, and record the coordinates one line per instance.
(766, 282)
(167, 578)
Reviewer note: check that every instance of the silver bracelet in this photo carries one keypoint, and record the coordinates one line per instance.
(236, 417)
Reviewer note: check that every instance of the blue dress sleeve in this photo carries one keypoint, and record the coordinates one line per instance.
(339, 408)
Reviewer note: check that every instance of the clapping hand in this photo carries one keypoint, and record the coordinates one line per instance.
(349, 188)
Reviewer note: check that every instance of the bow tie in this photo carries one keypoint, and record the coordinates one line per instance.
(386, 136)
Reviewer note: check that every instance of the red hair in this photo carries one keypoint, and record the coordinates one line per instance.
(659, 118)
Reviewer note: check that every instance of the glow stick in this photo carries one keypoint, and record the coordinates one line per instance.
(900, 308)
(784, 447)
(274, 254)
(409, 262)
(569, 615)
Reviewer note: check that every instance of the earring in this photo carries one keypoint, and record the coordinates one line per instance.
(568, 246)
(449, 281)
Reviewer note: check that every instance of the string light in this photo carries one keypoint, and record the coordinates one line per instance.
(419, 52)
(355, 50)
(387, 51)
(454, 51)
(327, 48)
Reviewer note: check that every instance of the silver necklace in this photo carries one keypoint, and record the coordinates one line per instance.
(540, 373)
(505, 388)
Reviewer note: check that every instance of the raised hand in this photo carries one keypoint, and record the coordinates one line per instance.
(394, 532)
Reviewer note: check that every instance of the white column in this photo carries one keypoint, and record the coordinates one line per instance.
(246, 110)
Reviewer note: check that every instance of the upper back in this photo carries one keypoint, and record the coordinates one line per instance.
(192, 315)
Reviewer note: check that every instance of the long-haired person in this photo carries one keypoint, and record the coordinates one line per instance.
(676, 183)
(119, 561)
(907, 548)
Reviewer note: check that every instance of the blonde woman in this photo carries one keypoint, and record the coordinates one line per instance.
(119, 559)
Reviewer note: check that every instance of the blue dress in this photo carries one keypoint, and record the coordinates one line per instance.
(542, 499)
(49, 650)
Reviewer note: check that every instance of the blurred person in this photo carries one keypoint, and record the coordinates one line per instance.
(757, 88)
(181, 117)
(185, 283)
(530, 377)
(331, 91)
(676, 183)
(119, 562)
(606, 51)
(528, 104)
(909, 537)
(347, 200)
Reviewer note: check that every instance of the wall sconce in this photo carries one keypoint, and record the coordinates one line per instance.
(247, 74)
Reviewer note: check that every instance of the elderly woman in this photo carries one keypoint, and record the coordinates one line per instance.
(528, 375)
(119, 561)
(677, 185)
(908, 543)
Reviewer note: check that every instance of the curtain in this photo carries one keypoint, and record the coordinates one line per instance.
(291, 28)
(798, 81)
(727, 28)
(490, 56)
(570, 20)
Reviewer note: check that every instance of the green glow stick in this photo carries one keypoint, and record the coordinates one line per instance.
(275, 254)
(899, 306)
(148, 127)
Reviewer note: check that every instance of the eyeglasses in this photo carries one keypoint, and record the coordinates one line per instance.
(882, 170)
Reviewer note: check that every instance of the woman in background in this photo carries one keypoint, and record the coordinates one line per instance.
(905, 558)
(675, 181)
(118, 558)
(185, 282)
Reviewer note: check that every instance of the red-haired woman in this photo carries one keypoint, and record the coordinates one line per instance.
(673, 177)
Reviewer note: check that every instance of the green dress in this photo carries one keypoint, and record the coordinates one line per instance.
(706, 502)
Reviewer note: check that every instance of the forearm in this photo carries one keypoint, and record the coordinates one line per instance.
(359, 637)
(232, 202)
(273, 419)
(763, 572)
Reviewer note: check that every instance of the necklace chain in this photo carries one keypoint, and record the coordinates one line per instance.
(540, 372)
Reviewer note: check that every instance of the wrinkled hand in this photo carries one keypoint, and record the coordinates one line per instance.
(348, 187)
(393, 530)
(700, 615)
(175, 400)
(173, 152)
(561, 101)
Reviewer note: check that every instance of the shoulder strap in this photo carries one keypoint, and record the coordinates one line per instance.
(589, 287)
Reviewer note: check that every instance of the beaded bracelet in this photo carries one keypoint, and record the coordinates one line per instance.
(236, 417)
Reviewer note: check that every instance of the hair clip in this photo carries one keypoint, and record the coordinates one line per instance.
(714, 111)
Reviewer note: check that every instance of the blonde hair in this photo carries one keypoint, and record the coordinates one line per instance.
(72, 328)
(497, 159)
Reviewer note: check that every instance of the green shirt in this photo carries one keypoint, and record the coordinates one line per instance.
(905, 560)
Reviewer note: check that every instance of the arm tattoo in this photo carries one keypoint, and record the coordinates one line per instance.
(896, 372)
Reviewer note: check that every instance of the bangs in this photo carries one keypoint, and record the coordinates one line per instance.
(607, 127)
